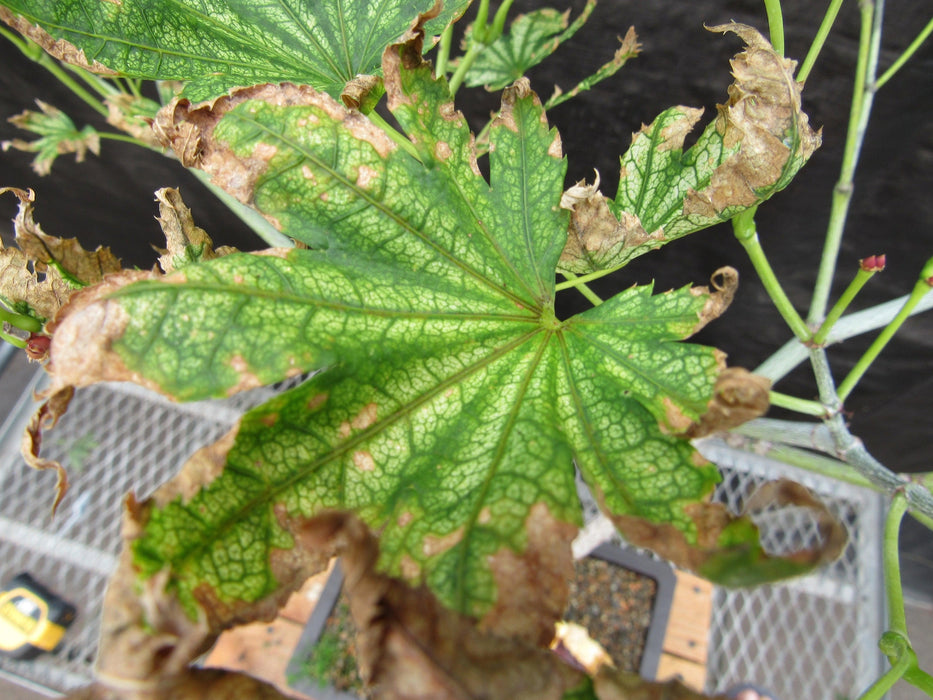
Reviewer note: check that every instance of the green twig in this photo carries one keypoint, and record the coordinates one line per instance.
(819, 40)
(466, 62)
(887, 681)
(393, 134)
(102, 87)
(498, 22)
(35, 53)
(743, 224)
(792, 353)
(920, 290)
(904, 57)
(861, 277)
(805, 406)
(920, 679)
(775, 24)
(581, 287)
(897, 620)
(125, 138)
(443, 51)
(12, 339)
(20, 321)
(862, 98)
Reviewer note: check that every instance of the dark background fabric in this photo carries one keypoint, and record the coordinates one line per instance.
(108, 200)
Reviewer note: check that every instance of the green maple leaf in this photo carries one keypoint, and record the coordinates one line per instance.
(454, 404)
(753, 148)
(216, 45)
(530, 39)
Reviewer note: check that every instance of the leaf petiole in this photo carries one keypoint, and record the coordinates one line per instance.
(443, 52)
(835, 313)
(775, 25)
(743, 225)
(581, 287)
(13, 340)
(37, 55)
(394, 134)
(20, 321)
(819, 40)
(792, 403)
(920, 290)
(904, 57)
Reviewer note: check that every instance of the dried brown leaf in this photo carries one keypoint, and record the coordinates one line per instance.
(133, 115)
(79, 266)
(58, 48)
(45, 418)
(193, 684)
(411, 646)
(185, 242)
(764, 113)
(738, 397)
(726, 546)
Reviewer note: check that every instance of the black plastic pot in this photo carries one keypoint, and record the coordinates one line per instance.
(660, 572)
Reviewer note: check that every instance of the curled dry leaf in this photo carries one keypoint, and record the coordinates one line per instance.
(78, 266)
(758, 141)
(39, 276)
(184, 241)
(133, 115)
(726, 548)
(411, 646)
(54, 407)
(738, 397)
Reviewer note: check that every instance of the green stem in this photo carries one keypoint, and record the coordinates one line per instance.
(775, 24)
(20, 321)
(810, 408)
(125, 138)
(897, 619)
(498, 22)
(443, 51)
(904, 57)
(819, 40)
(581, 287)
(792, 353)
(920, 290)
(249, 216)
(466, 62)
(859, 113)
(37, 55)
(393, 134)
(743, 224)
(920, 679)
(95, 82)
(12, 339)
(835, 313)
(887, 681)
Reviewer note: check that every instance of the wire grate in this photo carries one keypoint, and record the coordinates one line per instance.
(115, 439)
(814, 636)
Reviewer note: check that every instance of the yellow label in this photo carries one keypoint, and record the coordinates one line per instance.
(18, 627)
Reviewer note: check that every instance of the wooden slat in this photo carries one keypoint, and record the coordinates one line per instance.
(261, 649)
(691, 611)
(690, 673)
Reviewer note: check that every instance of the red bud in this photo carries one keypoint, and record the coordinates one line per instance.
(873, 263)
(37, 347)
